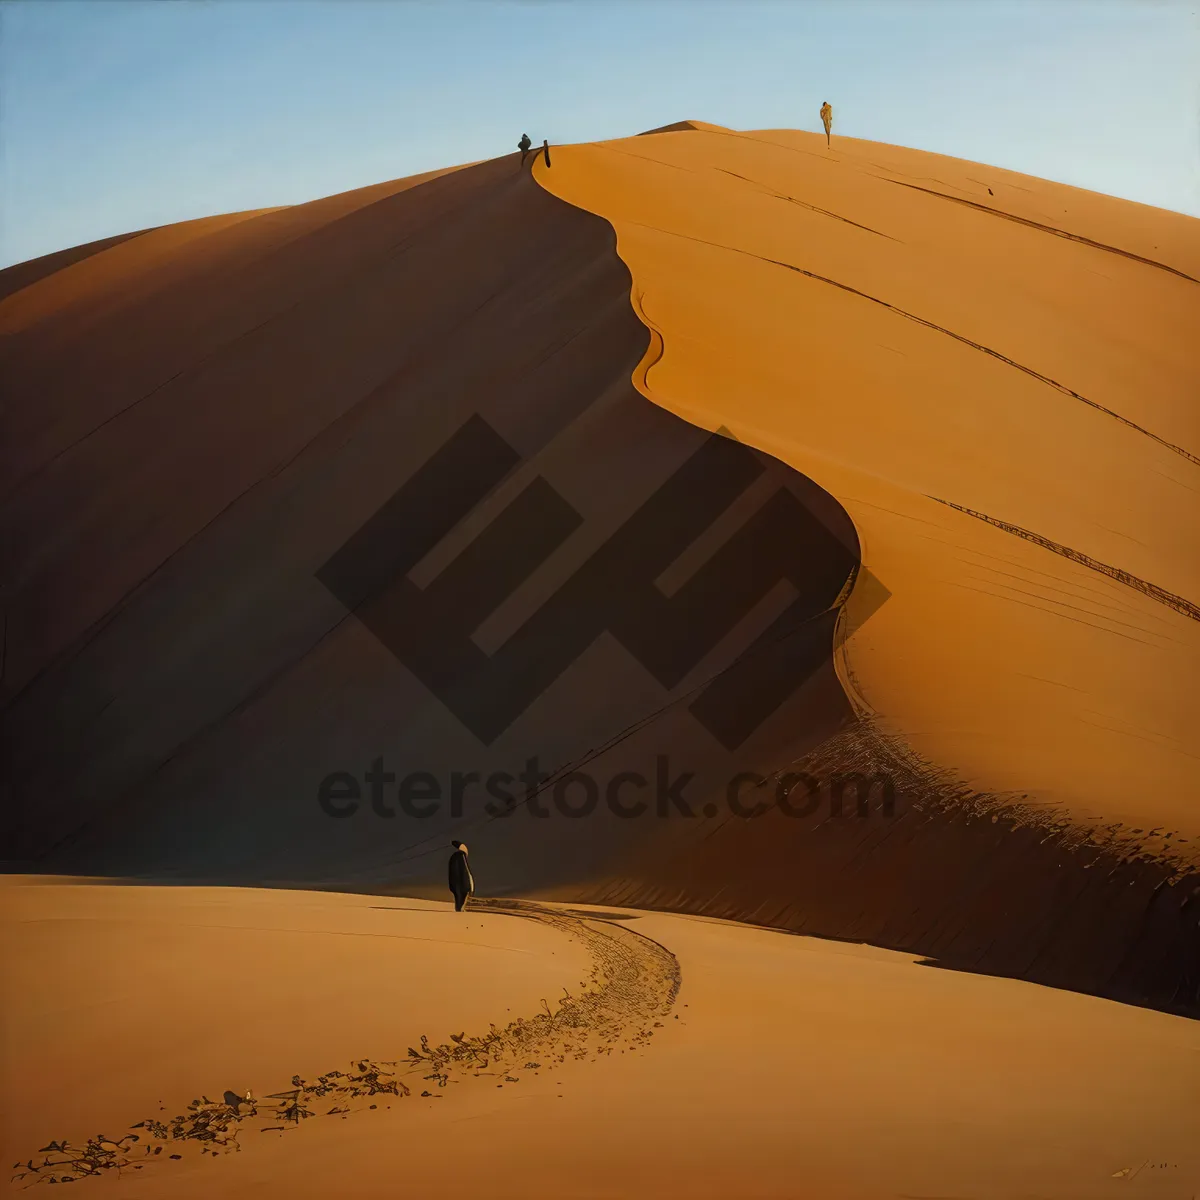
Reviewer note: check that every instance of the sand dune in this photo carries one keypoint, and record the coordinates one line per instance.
(704, 458)
(947, 533)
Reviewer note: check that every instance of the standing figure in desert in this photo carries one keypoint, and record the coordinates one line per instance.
(523, 145)
(827, 119)
(462, 883)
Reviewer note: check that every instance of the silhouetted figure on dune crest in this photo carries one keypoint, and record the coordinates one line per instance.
(827, 120)
(524, 145)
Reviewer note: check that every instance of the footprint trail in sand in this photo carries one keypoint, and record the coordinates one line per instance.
(632, 983)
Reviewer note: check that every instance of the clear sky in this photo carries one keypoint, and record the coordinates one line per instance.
(120, 115)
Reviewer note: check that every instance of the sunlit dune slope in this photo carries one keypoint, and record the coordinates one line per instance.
(997, 377)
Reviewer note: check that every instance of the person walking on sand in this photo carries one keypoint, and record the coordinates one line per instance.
(827, 120)
(524, 145)
(462, 884)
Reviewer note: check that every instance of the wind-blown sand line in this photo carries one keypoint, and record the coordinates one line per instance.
(633, 981)
(1178, 603)
(1062, 233)
(958, 337)
(804, 204)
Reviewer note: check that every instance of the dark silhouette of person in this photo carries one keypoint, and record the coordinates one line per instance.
(524, 146)
(546, 150)
(827, 119)
(462, 883)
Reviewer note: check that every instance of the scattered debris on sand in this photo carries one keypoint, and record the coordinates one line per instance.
(632, 982)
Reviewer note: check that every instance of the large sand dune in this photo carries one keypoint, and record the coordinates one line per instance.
(962, 551)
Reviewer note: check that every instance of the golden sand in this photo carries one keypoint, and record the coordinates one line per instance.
(992, 373)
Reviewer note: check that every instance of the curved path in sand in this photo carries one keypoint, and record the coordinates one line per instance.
(692, 1057)
(119, 1000)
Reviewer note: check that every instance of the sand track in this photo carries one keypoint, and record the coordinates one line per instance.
(1178, 603)
(787, 1066)
(804, 204)
(1062, 233)
(958, 337)
(631, 983)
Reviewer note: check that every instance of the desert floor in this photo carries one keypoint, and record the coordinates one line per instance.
(693, 1057)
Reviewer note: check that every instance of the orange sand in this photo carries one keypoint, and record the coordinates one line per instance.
(797, 1068)
(1022, 671)
(117, 998)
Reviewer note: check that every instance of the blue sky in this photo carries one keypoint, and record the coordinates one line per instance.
(117, 116)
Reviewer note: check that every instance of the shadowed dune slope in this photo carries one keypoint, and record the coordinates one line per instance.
(949, 541)
(212, 428)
